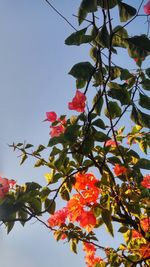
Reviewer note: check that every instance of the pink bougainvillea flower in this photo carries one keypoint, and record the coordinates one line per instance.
(147, 8)
(58, 218)
(51, 116)
(57, 130)
(146, 181)
(4, 187)
(119, 170)
(111, 143)
(78, 102)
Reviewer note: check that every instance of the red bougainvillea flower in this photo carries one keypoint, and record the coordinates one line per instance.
(51, 116)
(84, 181)
(147, 8)
(90, 257)
(146, 181)
(87, 220)
(119, 170)
(57, 130)
(58, 218)
(78, 102)
(111, 143)
(136, 234)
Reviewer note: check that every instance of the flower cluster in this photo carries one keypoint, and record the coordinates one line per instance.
(5, 185)
(79, 206)
(90, 257)
(59, 126)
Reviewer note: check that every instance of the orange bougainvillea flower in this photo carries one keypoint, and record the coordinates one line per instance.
(146, 181)
(84, 180)
(145, 224)
(87, 220)
(51, 116)
(89, 248)
(75, 207)
(147, 8)
(145, 250)
(58, 218)
(90, 257)
(91, 195)
(119, 170)
(78, 102)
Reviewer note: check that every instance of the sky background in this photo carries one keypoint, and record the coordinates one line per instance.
(34, 63)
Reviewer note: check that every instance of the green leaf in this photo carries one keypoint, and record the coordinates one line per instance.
(36, 205)
(78, 38)
(50, 205)
(144, 101)
(141, 42)
(55, 151)
(115, 72)
(98, 103)
(143, 164)
(44, 193)
(104, 4)
(23, 158)
(146, 84)
(87, 6)
(126, 12)
(100, 137)
(120, 94)
(28, 146)
(22, 215)
(40, 148)
(99, 123)
(140, 118)
(106, 216)
(119, 37)
(114, 110)
(82, 70)
(39, 163)
(103, 38)
(73, 245)
(80, 83)
(125, 74)
(87, 145)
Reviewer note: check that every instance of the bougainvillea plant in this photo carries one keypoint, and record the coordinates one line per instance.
(97, 166)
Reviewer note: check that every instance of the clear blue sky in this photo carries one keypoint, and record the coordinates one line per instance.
(34, 63)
